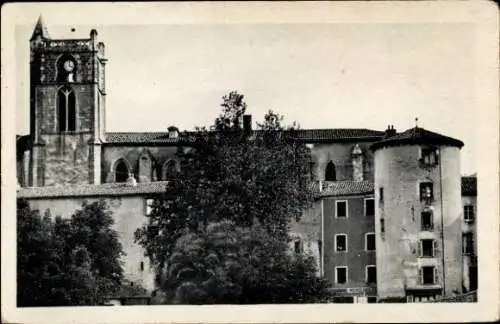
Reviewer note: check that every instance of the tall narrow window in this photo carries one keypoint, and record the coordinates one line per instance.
(426, 220)
(297, 246)
(121, 171)
(370, 242)
(427, 248)
(381, 194)
(341, 243)
(66, 109)
(468, 243)
(369, 207)
(371, 274)
(428, 275)
(170, 170)
(469, 213)
(341, 275)
(341, 208)
(330, 173)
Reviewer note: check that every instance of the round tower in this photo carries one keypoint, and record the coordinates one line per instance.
(418, 222)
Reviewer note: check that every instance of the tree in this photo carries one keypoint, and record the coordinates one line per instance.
(64, 262)
(260, 177)
(229, 264)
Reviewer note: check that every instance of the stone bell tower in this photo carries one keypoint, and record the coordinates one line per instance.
(67, 109)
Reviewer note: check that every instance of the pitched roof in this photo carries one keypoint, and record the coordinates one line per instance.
(306, 135)
(338, 134)
(346, 188)
(40, 29)
(469, 186)
(417, 135)
(88, 190)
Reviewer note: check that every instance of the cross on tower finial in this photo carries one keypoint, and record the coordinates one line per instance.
(416, 121)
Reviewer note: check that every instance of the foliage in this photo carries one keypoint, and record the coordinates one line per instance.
(260, 177)
(62, 261)
(228, 264)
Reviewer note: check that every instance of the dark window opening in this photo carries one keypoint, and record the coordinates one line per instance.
(142, 266)
(341, 209)
(330, 173)
(428, 277)
(341, 243)
(298, 246)
(468, 243)
(341, 275)
(426, 191)
(121, 172)
(382, 225)
(369, 207)
(429, 156)
(170, 170)
(370, 242)
(427, 223)
(372, 299)
(469, 213)
(66, 109)
(472, 278)
(371, 275)
(427, 248)
(381, 194)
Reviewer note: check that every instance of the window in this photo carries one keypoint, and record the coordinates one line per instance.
(341, 275)
(426, 191)
(429, 156)
(382, 225)
(341, 209)
(121, 171)
(428, 275)
(427, 248)
(469, 213)
(369, 207)
(297, 246)
(468, 243)
(381, 194)
(371, 274)
(66, 109)
(330, 173)
(427, 221)
(170, 170)
(149, 206)
(341, 243)
(142, 266)
(370, 241)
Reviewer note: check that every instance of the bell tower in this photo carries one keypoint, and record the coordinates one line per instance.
(67, 109)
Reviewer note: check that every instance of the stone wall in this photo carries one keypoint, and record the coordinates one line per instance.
(128, 213)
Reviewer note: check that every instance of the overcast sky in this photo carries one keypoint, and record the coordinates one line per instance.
(320, 75)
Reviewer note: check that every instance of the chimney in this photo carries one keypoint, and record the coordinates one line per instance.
(390, 131)
(247, 124)
(173, 132)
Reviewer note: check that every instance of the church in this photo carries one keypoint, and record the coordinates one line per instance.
(393, 217)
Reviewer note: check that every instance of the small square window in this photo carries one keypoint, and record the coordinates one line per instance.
(469, 213)
(341, 243)
(369, 207)
(341, 209)
(370, 242)
(371, 274)
(426, 191)
(341, 275)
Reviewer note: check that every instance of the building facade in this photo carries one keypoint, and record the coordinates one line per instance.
(392, 217)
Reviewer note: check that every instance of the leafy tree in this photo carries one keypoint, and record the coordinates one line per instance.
(229, 264)
(67, 261)
(226, 173)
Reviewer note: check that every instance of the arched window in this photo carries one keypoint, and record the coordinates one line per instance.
(330, 174)
(121, 171)
(170, 170)
(66, 109)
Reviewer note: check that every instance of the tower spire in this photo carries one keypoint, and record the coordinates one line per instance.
(40, 29)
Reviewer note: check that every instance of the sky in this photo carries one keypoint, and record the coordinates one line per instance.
(325, 75)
